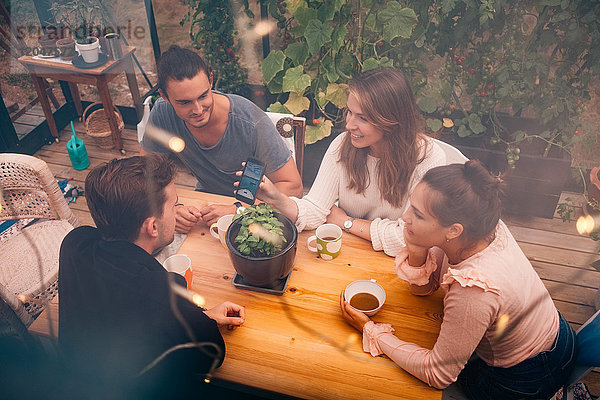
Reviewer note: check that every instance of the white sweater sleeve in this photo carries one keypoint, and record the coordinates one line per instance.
(314, 208)
(388, 235)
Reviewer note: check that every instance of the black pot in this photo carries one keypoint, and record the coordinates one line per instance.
(264, 271)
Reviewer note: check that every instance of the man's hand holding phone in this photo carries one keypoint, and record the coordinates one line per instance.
(250, 180)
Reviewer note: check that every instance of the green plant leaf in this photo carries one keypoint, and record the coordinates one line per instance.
(419, 34)
(305, 14)
(475, 124)
(345, 65)
(519, 135)
(371, 22)
(293, 5)
(320, 98)
(447, 6)
(561, 16)
(276, 84)
(317, 34)
(369, 64)
(477, 128)
(463, 131)
(434, 124)
(277, 107)
(551, 3)
(337, 94)
(272, 65)
(297, 103)
(427, 105)
(397, 21)
(337, 38)
(297, 52)
(328, 66)
(318, 132)
(295, 80)
(325, 12)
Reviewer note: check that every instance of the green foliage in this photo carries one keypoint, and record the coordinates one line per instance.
(566, 210)
(534, 56)
(212, 30)
(83, 17)
(326, 42)
(252, 245)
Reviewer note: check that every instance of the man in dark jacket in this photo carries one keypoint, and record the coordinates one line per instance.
(117, 313)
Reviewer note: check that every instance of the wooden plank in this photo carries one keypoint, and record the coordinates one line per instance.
(554, 239)
(577, 277)
(574, 313)
(545, 224)
(30, 119)
(553, 255)
(592, 381)
(573, 294)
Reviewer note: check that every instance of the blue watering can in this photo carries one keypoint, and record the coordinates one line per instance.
(77, 151)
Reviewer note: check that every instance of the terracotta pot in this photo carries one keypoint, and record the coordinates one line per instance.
(66, 47)
(47, 46)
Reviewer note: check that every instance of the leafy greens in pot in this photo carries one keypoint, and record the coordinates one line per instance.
(260, 232)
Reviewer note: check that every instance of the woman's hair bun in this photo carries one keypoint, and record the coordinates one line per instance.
(482, 182)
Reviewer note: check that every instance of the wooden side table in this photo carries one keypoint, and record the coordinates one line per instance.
(99, 77)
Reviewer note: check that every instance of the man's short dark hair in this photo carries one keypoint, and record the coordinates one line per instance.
(122, 193)
(179, 64)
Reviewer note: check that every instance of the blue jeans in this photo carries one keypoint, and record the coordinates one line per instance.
(537, 377)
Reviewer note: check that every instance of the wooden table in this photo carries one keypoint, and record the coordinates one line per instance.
(298, 344)
(99, 77)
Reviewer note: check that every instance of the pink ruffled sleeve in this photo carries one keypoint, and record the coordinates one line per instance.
(418, 276)
(371, 333)
(468, 277)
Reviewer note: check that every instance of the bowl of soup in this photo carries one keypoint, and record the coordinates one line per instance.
(366, 296)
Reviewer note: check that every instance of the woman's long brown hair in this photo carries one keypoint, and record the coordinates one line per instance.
(387, 102)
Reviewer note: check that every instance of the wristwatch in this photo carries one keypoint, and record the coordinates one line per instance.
(240, 207)
(348, 224)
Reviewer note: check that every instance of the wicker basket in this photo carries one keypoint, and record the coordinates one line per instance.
(97, 126)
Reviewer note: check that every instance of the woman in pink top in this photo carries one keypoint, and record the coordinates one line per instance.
(501, 337)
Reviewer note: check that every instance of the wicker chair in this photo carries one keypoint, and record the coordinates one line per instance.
(29, 259)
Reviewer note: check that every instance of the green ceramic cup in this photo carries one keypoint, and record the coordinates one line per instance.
(328, 238)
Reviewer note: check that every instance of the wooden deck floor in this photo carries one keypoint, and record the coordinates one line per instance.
(560, 256)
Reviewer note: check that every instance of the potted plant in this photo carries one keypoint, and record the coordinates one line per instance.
(262, 244)
(47, 44)
(66, 47)
(84, 20)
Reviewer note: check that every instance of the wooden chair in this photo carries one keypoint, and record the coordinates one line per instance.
(292, 129)
(29, 261)
(588, 347)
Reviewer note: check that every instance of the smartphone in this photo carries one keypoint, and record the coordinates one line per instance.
(251, 177)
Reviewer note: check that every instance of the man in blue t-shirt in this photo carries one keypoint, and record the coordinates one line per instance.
(220, 132)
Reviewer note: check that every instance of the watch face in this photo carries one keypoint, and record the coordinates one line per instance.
(348, 224)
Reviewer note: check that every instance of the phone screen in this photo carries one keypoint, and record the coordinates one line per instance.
(253, 172)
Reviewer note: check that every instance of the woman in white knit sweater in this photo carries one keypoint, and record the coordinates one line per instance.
(371, 169)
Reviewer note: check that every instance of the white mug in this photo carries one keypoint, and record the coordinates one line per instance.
(219, 228)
